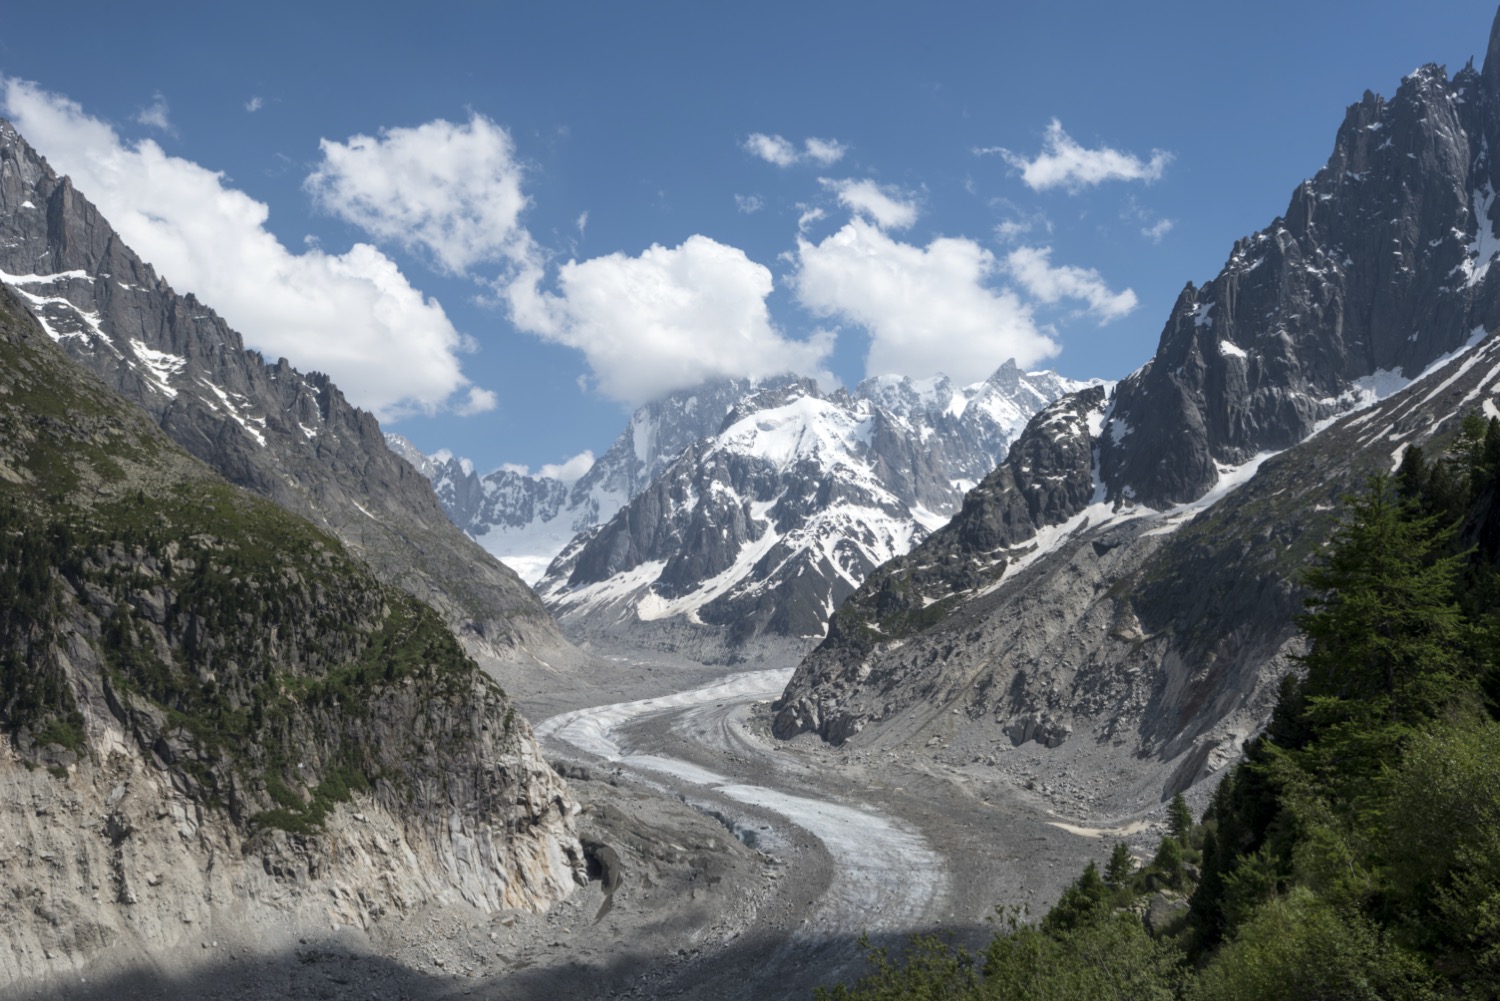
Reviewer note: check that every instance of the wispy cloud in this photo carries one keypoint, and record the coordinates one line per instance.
(477, 401)
(1020, 223)
(749, 204)
(1034, 271)
(889, 207)
(1066, 164)
(254, 104)
(810, 214)
(772, 149)
(1157, 230)
(824, 152)
(155, 115)
(781, 152)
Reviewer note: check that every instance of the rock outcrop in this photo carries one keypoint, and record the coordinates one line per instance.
(215, 719)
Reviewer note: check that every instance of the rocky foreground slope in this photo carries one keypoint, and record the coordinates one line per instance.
(288, 436)
(216, 720)
(1074, 609)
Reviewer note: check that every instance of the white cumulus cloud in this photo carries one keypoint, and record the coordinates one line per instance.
(351, 315)
(451, 190)
(665, 320)
(1033, 269)
(888, 207)
(477, 401)
(927, 309)
(1064, 163)
(569, 470)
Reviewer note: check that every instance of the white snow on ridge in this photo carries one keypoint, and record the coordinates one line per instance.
(612, 591)
(160, 367)
(231, 408)
(652, 606)
(800, 434)
(90, 320)
(530, 548)
(1485, 245)
(61, 276)
(806, 428)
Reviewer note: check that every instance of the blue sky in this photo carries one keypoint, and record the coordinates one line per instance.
(501, 225)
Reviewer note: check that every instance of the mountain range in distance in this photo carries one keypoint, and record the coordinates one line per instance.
(727, 522)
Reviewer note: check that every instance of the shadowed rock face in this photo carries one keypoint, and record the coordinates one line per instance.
(1148, 633)
(284, 434)
(1380, 264)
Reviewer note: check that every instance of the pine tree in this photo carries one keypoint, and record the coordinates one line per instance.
(1385, 631)
(1083, 903)
(1120, 865)
(1179, 819)
(1169, 860)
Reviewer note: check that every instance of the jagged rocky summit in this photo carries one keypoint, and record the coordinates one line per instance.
(726, 523)
(526, 520)
(1119, 594)
(286, 435)
(217, 723)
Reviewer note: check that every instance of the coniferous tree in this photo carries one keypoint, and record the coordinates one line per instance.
(1179, 819)
(1120, 865)
(1384, 630)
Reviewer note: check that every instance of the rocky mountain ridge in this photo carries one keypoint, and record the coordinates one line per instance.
(216, 718)
(1064, 607)
(525, 520)
(748, 539)
(286, 435)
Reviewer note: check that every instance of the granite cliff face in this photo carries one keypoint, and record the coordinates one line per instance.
(1127, 578)
(1377, 267)
(215, 719)
(288, 436)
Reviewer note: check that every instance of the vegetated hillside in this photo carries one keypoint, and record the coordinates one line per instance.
(1356, 852)
(286, 435)
(1073, 610)
(210, 707)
